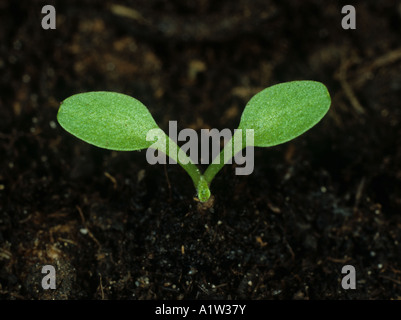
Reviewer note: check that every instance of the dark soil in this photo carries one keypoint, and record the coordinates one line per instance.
(116, 227)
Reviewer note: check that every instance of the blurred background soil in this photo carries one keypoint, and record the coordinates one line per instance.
(116, 227)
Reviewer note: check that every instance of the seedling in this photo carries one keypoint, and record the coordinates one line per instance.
(119, 122)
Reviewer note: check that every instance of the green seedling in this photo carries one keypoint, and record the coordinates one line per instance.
(119, 122)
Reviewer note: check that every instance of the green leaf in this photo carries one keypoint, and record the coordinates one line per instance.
(108, 120)
(284, 111)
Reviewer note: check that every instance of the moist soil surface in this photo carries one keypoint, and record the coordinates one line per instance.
(115, 227)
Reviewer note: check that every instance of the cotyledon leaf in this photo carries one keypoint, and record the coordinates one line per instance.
(108, 120)
(284, 111)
